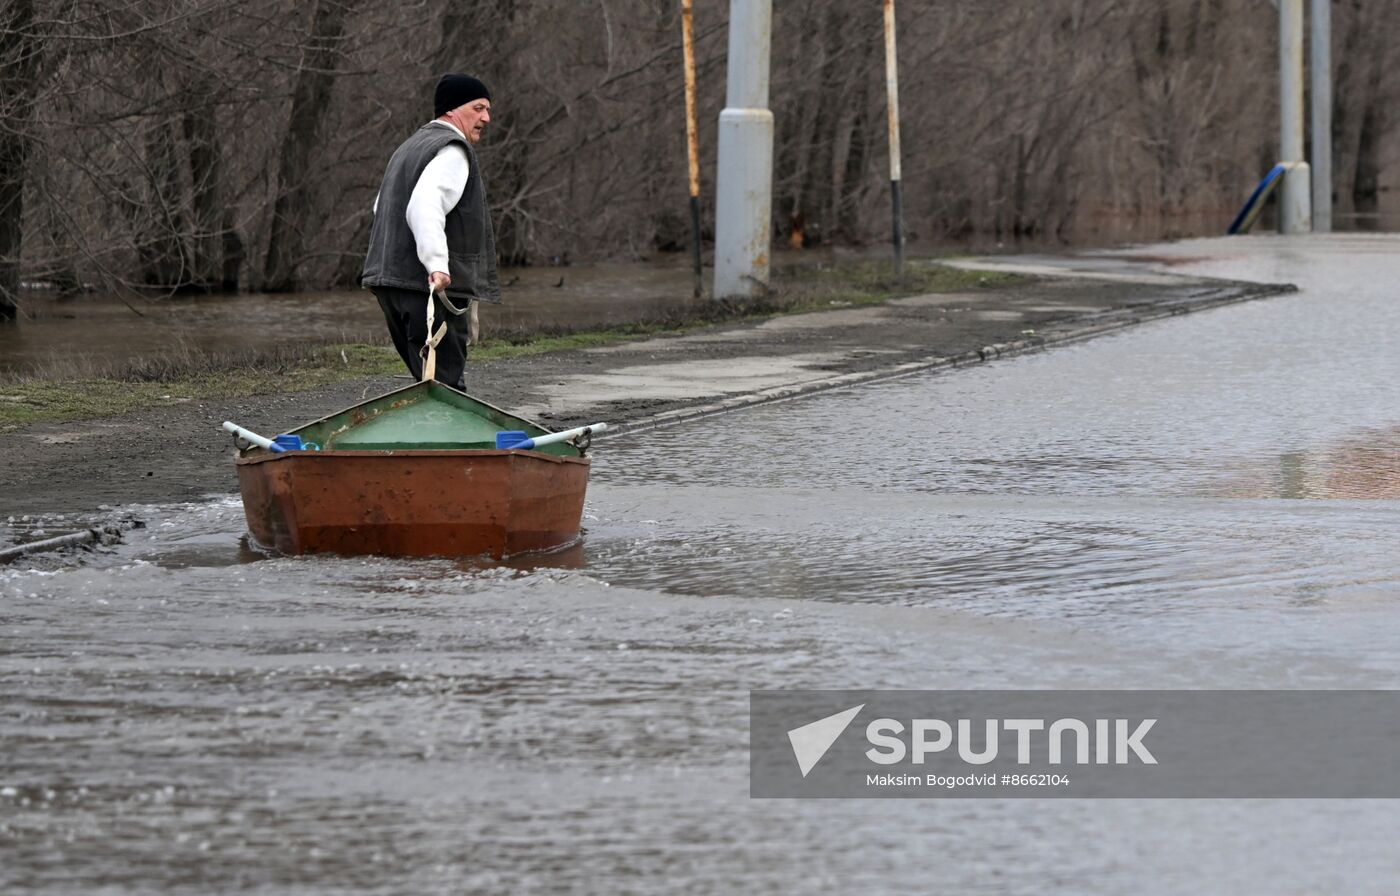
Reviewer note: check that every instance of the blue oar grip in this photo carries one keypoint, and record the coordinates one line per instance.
(514, 438)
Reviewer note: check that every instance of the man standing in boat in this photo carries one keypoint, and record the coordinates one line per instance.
(432, 231)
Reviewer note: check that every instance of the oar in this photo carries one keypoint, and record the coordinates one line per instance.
(249, 436)
(516, 438)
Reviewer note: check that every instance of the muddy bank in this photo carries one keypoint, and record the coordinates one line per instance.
(178, 453)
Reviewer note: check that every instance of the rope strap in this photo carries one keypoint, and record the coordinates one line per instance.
(429, 350)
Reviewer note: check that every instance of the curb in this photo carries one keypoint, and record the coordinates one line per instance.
(1088, 327)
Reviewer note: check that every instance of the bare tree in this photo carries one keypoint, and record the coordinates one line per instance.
(167, 145)
(1365, 93)
(19, 49)
(293, 209)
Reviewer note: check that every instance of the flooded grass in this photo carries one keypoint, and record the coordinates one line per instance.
(795, 290)
(76, 389)
(874, 281)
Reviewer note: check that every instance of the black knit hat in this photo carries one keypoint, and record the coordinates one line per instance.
(456, 90)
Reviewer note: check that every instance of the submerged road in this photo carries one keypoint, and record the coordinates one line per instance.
(1206, 502)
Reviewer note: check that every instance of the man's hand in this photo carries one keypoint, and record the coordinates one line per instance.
(439, 281)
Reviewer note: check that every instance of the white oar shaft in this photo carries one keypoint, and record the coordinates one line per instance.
(249, 436)
(567, 435)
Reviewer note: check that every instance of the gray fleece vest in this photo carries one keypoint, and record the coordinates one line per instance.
(392, 259)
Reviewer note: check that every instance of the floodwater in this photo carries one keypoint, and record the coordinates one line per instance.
(86, 333)
(1206, 502)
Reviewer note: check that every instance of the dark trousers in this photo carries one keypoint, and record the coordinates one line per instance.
(406, 313)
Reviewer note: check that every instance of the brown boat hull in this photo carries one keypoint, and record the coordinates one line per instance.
(443, 503)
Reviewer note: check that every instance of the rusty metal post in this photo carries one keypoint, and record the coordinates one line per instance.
(1321, 65)
(744, 182)
(692, 140)
(892, 104)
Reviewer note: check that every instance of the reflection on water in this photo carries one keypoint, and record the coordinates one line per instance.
(182, 714)
(1358, 467)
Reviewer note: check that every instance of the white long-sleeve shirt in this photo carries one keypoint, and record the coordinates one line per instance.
(437, 192)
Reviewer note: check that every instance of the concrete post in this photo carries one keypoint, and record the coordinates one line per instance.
(1321, 68)
(744, 181)
(1295, 200)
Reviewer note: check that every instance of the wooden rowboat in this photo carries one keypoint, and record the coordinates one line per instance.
(415, 473)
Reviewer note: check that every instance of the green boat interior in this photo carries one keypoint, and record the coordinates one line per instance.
(421, 416)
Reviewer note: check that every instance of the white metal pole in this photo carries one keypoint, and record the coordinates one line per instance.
(1295, 213)
(744, 181)
(1321, 64)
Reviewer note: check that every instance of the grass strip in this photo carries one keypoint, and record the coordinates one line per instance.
(27, 401)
